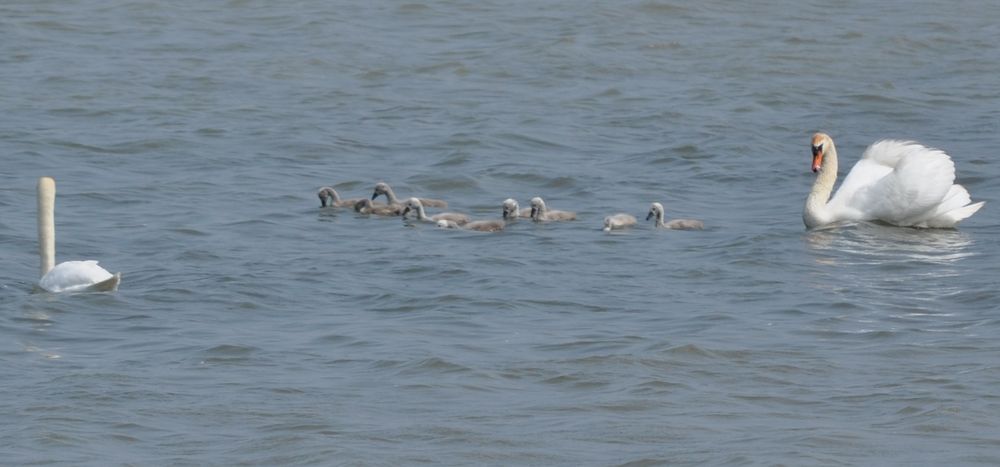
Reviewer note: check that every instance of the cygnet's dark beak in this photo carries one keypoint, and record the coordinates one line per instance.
(649, 215)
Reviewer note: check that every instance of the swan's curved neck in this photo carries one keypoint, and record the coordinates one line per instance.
(391, 196)
(660, 222)
(816, 212)
(540, 211)
(46, 223)
(421, 214)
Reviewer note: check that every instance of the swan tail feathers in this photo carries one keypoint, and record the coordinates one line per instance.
(953, 208)
(109, 285)
(950, 218)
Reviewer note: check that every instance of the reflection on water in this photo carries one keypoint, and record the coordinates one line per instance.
(868, 243)
(887, 267)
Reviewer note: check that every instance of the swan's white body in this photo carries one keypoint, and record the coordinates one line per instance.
(512, 211)
(69, 276)
(75, 276)
(618, 221)
(897, 182)
(415, 205)
(540, 212)
(656, 211)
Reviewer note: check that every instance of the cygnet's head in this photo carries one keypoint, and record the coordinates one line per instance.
(362, 204)
(655, 211)
(412, 204)
(537, 206)
(381, 188)
(510, 208)
(326, 193)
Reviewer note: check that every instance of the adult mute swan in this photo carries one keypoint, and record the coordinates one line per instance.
(539, 212)
(656, 211)
(68, 276)
(382, 188)
(415, 205)
(898, 182)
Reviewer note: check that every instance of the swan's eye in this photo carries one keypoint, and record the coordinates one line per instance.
(816, 149)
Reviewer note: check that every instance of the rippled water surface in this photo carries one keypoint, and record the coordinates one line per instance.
(188, 140)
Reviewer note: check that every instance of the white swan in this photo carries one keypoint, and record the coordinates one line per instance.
(618, 221)
(656, 210)
(68, 276)
(415, 205)
(511, 210)
(382, 188)
(898, 182)
(366, 206)
(541, 213)
(328, 197)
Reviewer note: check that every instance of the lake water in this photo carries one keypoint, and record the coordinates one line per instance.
(188, 140)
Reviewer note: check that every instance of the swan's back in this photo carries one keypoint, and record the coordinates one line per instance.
(903, 183)
(486, 225)
(76, 276)
(366, 206)
(618, 221)
(685, 224)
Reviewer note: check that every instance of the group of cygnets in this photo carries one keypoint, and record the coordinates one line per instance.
(510, 210)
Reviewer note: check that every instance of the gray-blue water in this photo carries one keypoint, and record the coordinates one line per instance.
(188, 140)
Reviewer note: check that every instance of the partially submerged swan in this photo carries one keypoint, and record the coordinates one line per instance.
(366, 206)
(415, 205)
(68, 276)
(511, 210)
(480, 226)
(898, 182)
(539, 212)
(328, 197)
(494, 225)
(382, 188)
(656, 210)
(618, 221)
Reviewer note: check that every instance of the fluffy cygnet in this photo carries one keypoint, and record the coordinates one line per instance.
(366, 206)
(328, 197)
(618, 221)
(415, 205)
(656, 210)
(539, 212)
(511, 210)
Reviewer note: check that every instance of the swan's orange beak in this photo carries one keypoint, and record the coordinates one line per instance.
(817, 158)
